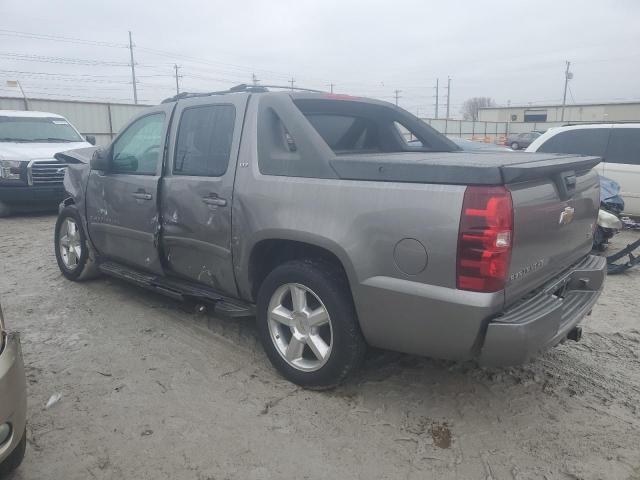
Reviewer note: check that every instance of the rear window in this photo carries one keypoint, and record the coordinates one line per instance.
(354, 127)
(624, 146)
(345, 133)
(587, 141)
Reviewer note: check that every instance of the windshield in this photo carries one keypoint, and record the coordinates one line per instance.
(40, 129)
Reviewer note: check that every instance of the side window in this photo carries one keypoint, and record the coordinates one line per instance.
(138, 149)
(204, 139)
(624, 146)
(587, 141)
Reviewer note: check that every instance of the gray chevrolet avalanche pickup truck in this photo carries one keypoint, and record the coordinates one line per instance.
(322, 216)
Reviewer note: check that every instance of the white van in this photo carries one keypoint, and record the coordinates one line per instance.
(617, 143)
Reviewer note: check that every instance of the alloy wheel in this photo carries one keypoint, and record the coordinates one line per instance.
(70, 244)
(300, 327)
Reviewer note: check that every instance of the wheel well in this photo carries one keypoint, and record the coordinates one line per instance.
(68, 201)
(268, 254)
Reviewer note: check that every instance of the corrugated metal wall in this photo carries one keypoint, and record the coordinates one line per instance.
(104, 120)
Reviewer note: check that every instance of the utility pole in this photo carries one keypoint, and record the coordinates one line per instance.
(133, 71)
(292, 81)
(176, 67)
(254, 79)
(331, 85)
(567, 76)
(448, 95)
(397, 95)
(437, 97)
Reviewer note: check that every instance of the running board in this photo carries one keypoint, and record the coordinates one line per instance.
(179, 290)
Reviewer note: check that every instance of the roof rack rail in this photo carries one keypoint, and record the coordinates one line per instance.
(243, 87)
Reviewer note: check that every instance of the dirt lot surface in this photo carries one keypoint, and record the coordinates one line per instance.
(151, 391)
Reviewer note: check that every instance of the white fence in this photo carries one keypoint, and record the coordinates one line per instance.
(103, 120)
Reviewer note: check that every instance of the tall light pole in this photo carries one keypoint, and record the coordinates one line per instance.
(133, 71)
(16, 83)
(567, 76)
(397, 95)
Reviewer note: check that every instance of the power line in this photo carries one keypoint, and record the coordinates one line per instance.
(76, 97)
(65, 77)
(58, 38)
(571, 94)
(47, 59)
(210, 62)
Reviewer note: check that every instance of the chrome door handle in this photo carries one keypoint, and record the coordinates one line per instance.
(215, 201)
(142, 196)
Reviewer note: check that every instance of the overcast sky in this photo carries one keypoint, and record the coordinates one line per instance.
(505, 50)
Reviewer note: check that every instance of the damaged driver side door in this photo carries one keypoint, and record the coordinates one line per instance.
(122, 202)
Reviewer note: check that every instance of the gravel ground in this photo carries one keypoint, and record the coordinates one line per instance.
(151, 391)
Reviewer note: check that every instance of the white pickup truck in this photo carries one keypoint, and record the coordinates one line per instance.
(30, 178)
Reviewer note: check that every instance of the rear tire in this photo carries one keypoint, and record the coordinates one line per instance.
(14, 460)
(74, 255)
(313, 340)
(515, 146)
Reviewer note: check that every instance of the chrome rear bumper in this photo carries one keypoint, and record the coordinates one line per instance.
(546, 318)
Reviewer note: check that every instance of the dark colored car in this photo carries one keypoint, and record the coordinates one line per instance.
(519, 141)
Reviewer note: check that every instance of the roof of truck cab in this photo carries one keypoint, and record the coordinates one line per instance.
(28, 114)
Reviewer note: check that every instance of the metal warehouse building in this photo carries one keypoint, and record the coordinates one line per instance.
(587, 112)
(104, 120)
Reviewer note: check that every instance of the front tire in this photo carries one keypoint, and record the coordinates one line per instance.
(308, 325)
(14, 460)
(73, 253)
(515, 146)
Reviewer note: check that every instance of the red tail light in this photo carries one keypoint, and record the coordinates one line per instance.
(484, 239)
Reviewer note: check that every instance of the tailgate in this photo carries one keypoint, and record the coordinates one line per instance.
(554, 217)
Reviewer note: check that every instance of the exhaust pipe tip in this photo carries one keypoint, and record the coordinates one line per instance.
(575, 334)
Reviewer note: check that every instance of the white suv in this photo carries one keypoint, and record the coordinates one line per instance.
(617, 143)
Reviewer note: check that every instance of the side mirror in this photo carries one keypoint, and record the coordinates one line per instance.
(91, 139)
(100, 160)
